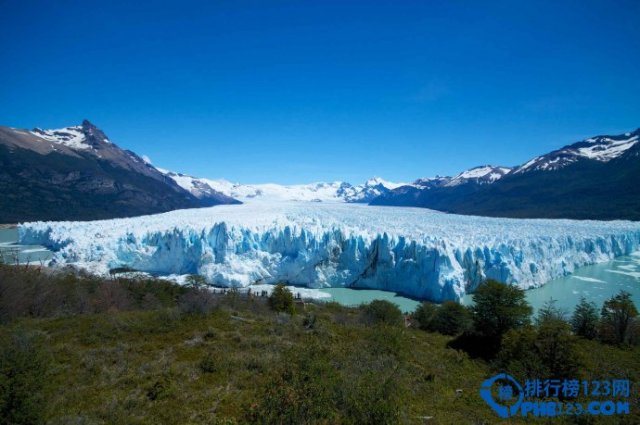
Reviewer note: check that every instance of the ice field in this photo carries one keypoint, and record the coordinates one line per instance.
(417, 252)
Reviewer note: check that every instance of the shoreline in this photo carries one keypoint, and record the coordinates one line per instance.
(8, 226)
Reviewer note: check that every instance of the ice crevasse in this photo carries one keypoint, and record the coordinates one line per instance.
(417, 252)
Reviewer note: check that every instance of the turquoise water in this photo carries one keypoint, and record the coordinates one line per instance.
(596, 283)
(355, 297)
(10, 250)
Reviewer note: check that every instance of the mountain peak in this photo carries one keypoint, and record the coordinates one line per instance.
(481, 174)
(87, 124)
(598, 148)
(94, 135)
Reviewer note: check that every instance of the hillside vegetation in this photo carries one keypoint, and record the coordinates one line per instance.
(82, 350)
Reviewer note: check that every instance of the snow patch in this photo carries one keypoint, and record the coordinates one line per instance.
(72, 137)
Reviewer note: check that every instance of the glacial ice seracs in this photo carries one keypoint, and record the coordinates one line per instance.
(416, 252)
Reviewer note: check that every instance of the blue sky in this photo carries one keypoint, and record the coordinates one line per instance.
(301, 91)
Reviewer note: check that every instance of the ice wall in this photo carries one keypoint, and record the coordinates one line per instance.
(416, 252)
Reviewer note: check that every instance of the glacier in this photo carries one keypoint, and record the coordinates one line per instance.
(416, 252)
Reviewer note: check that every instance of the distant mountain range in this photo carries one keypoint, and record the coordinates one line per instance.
(597, 178)
(77, 173)
(314, 192)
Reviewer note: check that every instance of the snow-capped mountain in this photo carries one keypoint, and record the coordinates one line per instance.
(72, 137)
(430, 182)
(202, 189)
(313, 192)
(77, 173)
(484, 174)
(367, 191)
(595, 178)
(599, 148)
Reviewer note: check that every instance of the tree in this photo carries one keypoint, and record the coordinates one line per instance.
(547, 350)
(549, 312)
(584, 321)
(451, 318)
(557, 349)
(424, 314)
(617, 315)
(499, 308)
(383, 312)
(281, 299)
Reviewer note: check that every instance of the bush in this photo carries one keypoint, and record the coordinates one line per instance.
(584, 321)
(23, 375)
(195, 281)
(372, 398)
(383, 312)
(301, 390)
(618, 313)
(281, 299)
(209, 364)
(197, 301)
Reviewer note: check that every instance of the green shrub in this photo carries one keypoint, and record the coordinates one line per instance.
(208, 364)
(161, 389)
(23, 376)
(281, 299)
(302, 390)
(383, 312)
(372, 398)
(195, 281)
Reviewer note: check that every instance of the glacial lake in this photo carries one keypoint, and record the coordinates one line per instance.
(10, 251)
(355, 297)
(596, 283)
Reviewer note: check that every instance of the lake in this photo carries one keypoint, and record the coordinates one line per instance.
(9, 249)
(596, 283)
(355, 297)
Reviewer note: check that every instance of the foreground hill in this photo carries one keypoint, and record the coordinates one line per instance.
(77, 173)
(82, 350)
(593, 179)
